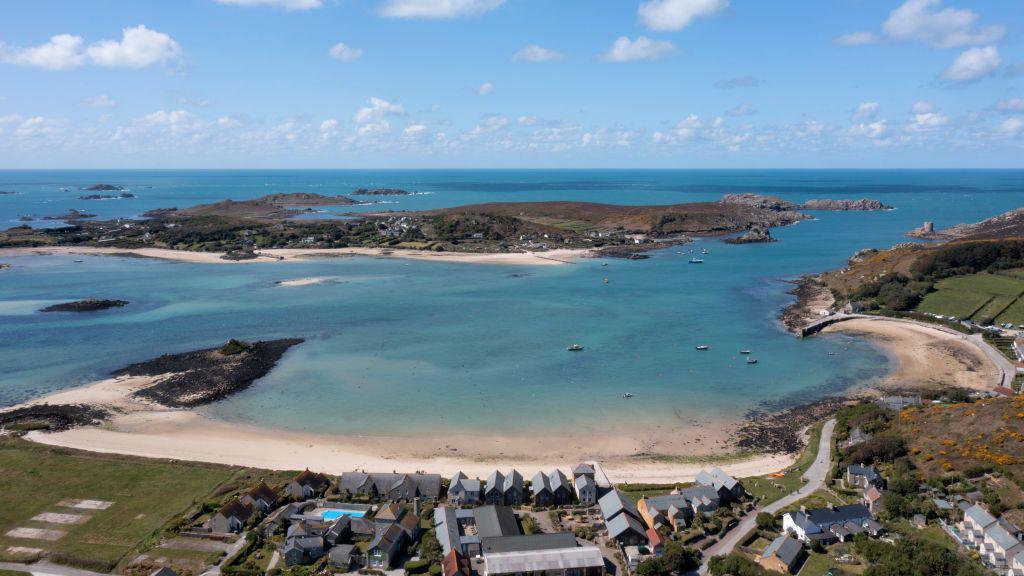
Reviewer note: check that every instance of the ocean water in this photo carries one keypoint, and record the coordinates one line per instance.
(409, 347)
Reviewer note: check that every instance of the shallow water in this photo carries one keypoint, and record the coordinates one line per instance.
(408, 347)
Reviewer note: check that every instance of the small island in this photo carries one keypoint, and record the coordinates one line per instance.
(71, 214)
(103, 188)
(381, 192)
(775, 203)
(87, 305)
(120, 196)
(756, 235)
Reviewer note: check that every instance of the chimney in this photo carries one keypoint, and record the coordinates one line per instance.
(803, 509)
(416, 506)
(831, 506)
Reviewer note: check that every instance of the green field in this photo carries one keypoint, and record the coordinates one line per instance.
(980, 297)
(145, 496)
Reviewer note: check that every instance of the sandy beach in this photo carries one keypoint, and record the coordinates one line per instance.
(925, 356)
(141, 428)
(548, 258)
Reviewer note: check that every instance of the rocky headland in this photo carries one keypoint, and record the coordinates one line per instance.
(87, 305)
(381, 192)
(52, 417)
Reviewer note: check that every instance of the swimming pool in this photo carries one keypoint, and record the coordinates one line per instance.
(335, 513)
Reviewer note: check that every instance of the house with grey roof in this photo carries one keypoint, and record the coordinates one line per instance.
(672, 511)
(462, 530)
(303, 550)
(386, 547)
(830, 524)
(586, 489)
(996, 540)
(540, 486)
(704, 499)
(728, 488)
(561, 489)
(614, 503)
(494, 488)
(1016, 565)
(514, 494)
(857, 436)
(862, 477)
(463, 490)
(547, 554)
(784, 554)
(342, 556)
(392, 486)
(583, 469)
(626, 530)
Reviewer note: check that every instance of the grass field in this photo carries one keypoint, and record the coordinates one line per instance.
(145, 496)
(979, 297)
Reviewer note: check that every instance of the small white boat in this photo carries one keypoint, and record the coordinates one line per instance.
(696, 260)
(751, 360)
(575, 348)
(627, 395)
(703, 347)
(705, 251)
(744, 351)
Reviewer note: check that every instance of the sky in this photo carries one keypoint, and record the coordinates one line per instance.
(512, 84)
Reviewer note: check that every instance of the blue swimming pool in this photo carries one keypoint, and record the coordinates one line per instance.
(339, 512)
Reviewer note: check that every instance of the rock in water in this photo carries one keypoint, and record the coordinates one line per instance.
(104, 188)
(756, 235)
(87, 305)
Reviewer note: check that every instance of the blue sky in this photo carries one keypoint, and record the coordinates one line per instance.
(511, 83)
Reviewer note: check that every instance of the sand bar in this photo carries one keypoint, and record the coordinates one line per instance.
(548, 258)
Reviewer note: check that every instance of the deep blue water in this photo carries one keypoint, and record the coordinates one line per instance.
(430, 346)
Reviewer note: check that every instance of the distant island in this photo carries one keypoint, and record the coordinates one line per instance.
(381, 192)
(87, 305)
(107, 196)
(103, 188)
(778, 204)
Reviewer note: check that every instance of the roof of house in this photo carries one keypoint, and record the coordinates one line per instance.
(544, 561)
(785, 548)
(341, 553)
(1001, 537)
(454, 564)
(614, 502)
(514, 480)
(539, 483)
(838, 514)
(496, 481)
(558, 480)
(584, 482)
(235, 509)
(312, 479)
(716, 478)
(868, 472)
(164, 571)
(362, 525)
(623, 523)
(427, 485)
(306, 542)
(446, 526)
(387, 537)
(583, 468)
(662, 504)
(262, 492)
(389, 513)
(979, 516)
(701, 494)
(873, 494)
(492, 521)
(654, 538)
(529, 542)
(410, 523)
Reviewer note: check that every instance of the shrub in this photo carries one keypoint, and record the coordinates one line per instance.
(765, 521)
(416, 566)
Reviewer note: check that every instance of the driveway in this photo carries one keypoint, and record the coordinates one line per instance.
(815, 477)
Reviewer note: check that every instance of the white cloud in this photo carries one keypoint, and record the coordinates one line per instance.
(62, 52)
(377, 109)
(1011, 105)
(437, 9)
(677, 14)
(139, 47)
(926, 121)
(865, 111)
(328, 128)
(973, 64)
(485, 89)
(926, 21)
(345, 53)
(872, 130)
(38, 126)
(1011, 126)
(741, 110)
(414, 130)
(101, 101)
(922, 107)
(643, 48)
(228, 122)
(286, 4)
(535, 53)
(855, 39)
(527, 121)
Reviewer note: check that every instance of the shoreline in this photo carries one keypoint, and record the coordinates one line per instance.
(138, 427)
(549, 258)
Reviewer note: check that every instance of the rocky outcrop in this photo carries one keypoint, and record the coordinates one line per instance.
(845, 205)
(103, 188)
(381, 192)
(53, 417)
(756, 235)
(778, 204)
(87, 305)
(107, 196)
(4, 265)
(204, 376)
(71, 214)
(1007, 225)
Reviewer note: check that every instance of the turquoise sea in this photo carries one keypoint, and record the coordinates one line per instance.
(409, 347)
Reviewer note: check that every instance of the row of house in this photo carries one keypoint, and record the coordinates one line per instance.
(546, 489)
(237, 512)
(390, 530)
(831, 524)
(489, 541)
(997, 541)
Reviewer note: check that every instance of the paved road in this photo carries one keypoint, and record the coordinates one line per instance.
(1008, 369)
(815, 477)
(44, 568)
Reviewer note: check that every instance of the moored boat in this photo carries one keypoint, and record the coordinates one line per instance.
(575, 348)
(703, 347)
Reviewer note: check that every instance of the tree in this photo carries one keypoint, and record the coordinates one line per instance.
(765, 521)
(679, 558)
(651, 567)
(735, 565)
(430, 548)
